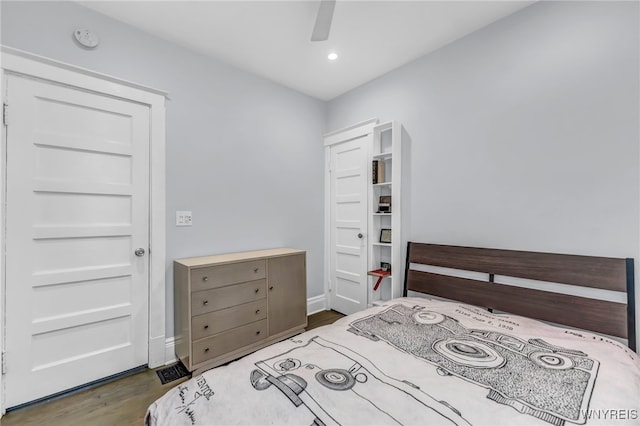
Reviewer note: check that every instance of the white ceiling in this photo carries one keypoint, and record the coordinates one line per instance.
(271, 38)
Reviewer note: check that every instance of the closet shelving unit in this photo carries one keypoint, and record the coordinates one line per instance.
(387, 148)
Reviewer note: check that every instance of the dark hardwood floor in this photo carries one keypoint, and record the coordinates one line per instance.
(121, 402)
(322, 318)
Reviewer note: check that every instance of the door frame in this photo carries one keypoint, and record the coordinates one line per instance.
(18, 62)
(346, 134)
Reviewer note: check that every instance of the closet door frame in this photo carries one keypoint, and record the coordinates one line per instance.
(358, 130)
(26, 64)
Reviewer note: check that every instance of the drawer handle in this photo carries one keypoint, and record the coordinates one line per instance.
(257, 290)
(257, 332)
(270, 288)
(205, 278)
(206, 350)
(256, 270)
(206, 327)
(257, 311)
(205, 303)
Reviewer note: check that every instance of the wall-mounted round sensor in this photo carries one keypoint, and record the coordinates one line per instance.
(86, 38)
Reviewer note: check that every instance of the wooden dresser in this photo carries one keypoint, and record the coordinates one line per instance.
(229, 305)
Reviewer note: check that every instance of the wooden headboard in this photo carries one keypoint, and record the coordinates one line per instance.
(602, 316)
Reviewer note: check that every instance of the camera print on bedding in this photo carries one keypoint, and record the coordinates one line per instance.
(550, 383)
(339, 386)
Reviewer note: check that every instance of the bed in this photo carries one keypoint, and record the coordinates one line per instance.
(482, 357)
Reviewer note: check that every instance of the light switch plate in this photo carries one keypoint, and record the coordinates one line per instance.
(184, 218)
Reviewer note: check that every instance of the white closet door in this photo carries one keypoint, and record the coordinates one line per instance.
(77, 210)
(348, 248)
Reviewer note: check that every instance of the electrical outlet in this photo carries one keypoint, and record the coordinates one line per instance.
(184, 218)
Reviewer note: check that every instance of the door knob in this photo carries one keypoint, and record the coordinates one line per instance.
(139, 252)
(360, 235)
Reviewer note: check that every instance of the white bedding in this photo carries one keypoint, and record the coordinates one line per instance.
(418, 361)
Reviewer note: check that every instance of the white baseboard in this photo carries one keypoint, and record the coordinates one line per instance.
(316, 304)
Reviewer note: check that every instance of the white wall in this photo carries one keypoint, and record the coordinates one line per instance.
(524, 135)
(244, 154)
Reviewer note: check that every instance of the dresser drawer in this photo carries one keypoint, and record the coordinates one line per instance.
(231, 273)
(225, 297)
(226, 319)
(228, 341)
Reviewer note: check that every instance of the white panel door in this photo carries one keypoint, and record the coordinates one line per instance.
(348, 248)
(77, 210)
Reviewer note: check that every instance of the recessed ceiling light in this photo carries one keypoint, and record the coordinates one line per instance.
(332, 56)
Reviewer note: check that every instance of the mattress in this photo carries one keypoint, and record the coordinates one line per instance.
(416, 361)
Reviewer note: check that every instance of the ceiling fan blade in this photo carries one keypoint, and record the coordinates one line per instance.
(323, 20)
